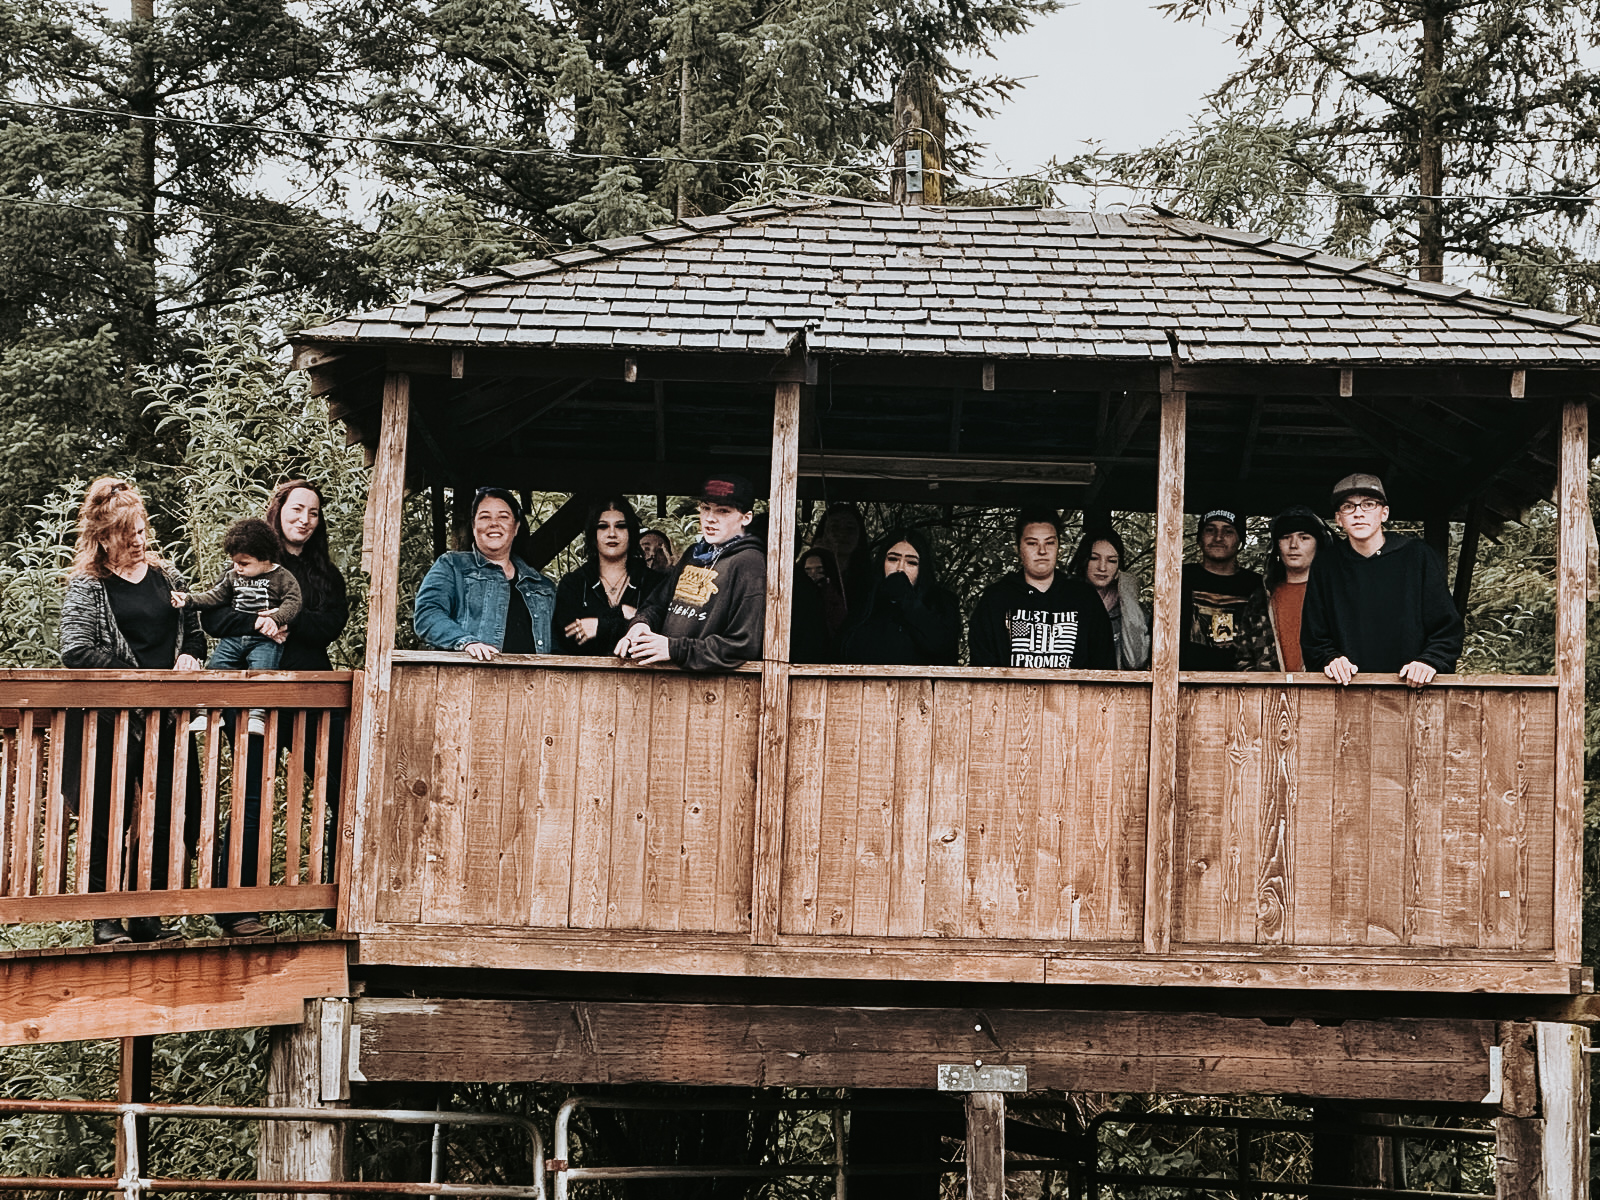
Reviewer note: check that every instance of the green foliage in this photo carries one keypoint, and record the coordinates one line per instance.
(614, 207)
(1320, 134)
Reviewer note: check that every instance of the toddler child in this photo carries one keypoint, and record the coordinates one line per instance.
(256, 585)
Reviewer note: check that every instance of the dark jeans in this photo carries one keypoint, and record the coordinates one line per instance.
(95, 840)
(250, 819)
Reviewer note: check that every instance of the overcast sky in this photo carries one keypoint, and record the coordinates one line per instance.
(1112, 71)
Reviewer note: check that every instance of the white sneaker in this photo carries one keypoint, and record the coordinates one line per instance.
(257, 726)
(198, 725)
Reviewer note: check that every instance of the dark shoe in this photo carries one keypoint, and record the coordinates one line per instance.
(248, 925)
(150, 929)
(110, 933)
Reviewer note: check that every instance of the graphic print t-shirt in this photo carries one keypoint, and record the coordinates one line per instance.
(1212, 619)
(1065, 628)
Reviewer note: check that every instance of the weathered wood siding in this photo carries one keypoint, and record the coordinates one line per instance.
(954, 808)
(568, 799)
(1373, 817)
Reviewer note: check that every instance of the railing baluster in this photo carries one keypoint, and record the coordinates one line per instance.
(264, 807)
(294, 784)
(207, 852)
(55, 811)
(115, 835)
(86, 770)
(7, 813)
(319, 799)
(236, 806)
(177, 847)
(141, 865)
(25, 830)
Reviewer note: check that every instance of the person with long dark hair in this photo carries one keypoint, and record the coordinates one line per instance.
(595, 603)
(118, 615)
(843, 530)
(488, 600)
(1101, 561)
(907, 619)
(295, 513)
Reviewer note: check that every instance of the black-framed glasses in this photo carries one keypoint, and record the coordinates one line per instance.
(1355, 506)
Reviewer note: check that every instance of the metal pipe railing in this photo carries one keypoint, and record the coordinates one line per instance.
(133, 1185)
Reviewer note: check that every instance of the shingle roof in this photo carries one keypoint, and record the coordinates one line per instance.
(865, 278)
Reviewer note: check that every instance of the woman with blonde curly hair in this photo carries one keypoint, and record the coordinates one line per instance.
(118, 615)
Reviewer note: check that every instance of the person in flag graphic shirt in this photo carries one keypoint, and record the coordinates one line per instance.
(1036, 616)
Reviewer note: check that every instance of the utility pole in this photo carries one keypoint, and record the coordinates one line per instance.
(916, 174)
(142, 228)
(683, 131)
(1430, 147)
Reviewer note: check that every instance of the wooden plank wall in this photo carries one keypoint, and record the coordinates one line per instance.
(569, 799)
(956, 808)
(1373, 817)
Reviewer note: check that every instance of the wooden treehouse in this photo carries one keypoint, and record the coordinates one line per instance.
(847, 876)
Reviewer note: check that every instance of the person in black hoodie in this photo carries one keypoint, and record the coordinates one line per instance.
(908, 619)
(595, 603)
(709, 614)
(1377, 602)
(1036, 616)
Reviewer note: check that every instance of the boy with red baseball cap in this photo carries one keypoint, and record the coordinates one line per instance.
(710, 612)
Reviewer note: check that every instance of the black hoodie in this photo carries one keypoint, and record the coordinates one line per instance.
(905, 624)
(713, 616)
(1016, 625)
(1382, 611)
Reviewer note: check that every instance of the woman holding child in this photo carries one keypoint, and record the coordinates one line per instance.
(595, 603)
(487, 600)
(294, 515)
(118, 614)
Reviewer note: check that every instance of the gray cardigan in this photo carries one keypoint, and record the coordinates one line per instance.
(89, 634)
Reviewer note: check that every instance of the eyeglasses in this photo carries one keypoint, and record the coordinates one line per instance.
(1355, 506)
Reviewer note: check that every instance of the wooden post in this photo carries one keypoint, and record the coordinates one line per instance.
(299, 1059)
(1564, 1093)
(771, 765)
(1468, 559)
(1572, 562)
(986, 1146)
(1160, 824)
(384, 504)
(1518, 1158)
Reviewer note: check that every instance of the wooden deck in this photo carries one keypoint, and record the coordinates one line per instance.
(961, 824)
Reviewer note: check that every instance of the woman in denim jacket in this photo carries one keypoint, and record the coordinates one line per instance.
(487, 600)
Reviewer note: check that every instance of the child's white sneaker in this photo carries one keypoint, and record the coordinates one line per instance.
(257, 725)
(198, 725)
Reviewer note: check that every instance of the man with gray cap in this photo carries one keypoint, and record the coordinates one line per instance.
(1377, 602)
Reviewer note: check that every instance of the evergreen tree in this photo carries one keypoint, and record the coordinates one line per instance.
(1407, 130)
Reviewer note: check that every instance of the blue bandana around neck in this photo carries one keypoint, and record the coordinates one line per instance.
(704, 554)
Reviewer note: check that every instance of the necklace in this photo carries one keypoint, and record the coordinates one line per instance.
(614, 594)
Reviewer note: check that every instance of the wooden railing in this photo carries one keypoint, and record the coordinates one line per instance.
(111, 806)
(994, 812)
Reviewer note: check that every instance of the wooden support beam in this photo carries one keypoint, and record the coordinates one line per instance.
(297, 1065)
(1467, 560)
(440, 512)
(986, 1146)
(1519, 1158)
(385, 504)
(557, 531)
(1160, 822)
(1572, 562)
(1124, 422)
(158, 989)
(772, 755)
(1564, 1090)
(801, 1045)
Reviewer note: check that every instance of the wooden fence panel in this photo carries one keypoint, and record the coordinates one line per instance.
(1006, 810)
(1374, 817)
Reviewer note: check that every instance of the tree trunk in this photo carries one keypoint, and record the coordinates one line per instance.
(142, 228)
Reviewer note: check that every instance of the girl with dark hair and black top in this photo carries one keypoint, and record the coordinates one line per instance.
(295, 514)
(1101, 561)
(595, 603)
(907, 619)
(843, 530)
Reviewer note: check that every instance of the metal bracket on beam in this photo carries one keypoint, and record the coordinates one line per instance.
(1497, 1076)
(962, 1077)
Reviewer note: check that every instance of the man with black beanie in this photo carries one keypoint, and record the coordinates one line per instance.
(1377, 602)
(1215, 592)
(1272, 622)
